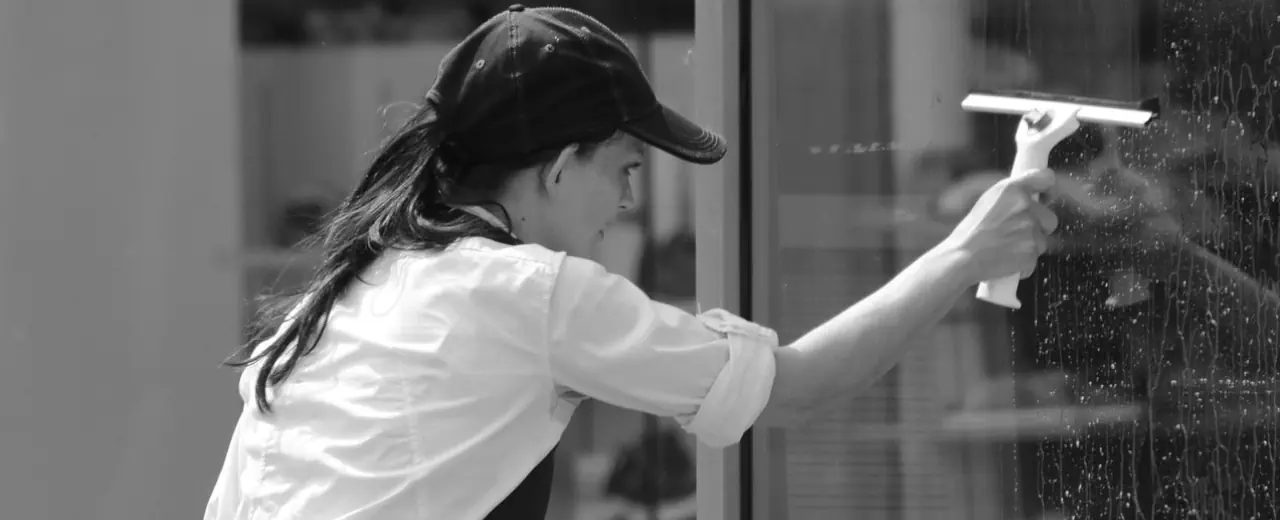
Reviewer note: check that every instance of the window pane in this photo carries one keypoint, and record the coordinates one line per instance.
(1137, 379)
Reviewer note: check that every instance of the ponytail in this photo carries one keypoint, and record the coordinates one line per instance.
(407, 199)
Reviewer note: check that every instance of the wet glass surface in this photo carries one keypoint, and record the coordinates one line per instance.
(1139, 378)
(1162, 293)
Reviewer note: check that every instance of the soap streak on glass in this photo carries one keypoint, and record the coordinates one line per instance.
(1162, 291)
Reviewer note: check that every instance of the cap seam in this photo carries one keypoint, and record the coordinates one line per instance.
(513, 41)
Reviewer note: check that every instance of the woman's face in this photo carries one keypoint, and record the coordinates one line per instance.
(588, 193)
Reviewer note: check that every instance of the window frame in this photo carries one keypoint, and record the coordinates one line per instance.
(721, 234)
(735, 223)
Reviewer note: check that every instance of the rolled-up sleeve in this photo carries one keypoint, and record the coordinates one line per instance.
(712, 372)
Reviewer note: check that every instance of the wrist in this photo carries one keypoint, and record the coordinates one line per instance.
(958, 264)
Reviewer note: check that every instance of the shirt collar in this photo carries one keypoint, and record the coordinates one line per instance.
(488, 216)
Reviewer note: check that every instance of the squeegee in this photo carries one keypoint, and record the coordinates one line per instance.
(1045, 120)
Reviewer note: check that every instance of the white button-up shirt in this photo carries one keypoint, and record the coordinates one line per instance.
(444, 377)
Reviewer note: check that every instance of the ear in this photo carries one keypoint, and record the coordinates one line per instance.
(555, 172)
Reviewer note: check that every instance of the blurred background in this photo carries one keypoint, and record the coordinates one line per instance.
(160, 159)
(323, 83)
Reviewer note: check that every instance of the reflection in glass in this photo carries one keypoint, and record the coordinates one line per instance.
(1139, 380)
(1162, 292)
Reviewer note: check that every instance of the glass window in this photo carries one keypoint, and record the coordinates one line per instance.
(1138, 378)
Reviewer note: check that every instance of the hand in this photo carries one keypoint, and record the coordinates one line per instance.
(1007, 230)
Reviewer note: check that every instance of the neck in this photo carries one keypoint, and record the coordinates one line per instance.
(522, 217)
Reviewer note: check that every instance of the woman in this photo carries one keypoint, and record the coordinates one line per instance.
(431, 366)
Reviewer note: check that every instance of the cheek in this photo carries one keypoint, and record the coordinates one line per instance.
(602, 195)
(608, 200)
(590, 205)
(583, 212)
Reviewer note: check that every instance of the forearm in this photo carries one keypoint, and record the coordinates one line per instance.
(839, 359)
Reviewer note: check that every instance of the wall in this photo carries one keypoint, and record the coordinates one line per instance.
(118, 228)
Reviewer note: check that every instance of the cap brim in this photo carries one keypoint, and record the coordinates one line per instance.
(675, 134)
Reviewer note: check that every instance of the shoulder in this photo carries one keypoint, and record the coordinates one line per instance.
(526, 254)
(571, 287)
(528, 276)
(482, 275)
(557, 267)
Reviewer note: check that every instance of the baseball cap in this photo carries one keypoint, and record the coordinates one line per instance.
(532, 79)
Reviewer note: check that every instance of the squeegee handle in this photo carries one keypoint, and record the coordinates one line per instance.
(1032, 154)
(1004, 291)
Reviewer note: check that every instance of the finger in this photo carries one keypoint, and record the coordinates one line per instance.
(1047, 220)
(1036, 181)
(1065, 121)
(1056, 123)
(1028, 267)
(1041, 240)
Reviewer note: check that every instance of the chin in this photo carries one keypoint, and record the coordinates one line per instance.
(581, 246)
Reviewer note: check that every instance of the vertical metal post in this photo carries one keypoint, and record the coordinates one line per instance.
(717, 76)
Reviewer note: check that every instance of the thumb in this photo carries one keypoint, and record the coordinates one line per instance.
(1036, 181)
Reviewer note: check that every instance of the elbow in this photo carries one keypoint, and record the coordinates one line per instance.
(795, 397)
(785, 412)
(777, 414)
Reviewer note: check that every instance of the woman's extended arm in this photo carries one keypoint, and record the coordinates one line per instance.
(718, 374)
(1004, 234)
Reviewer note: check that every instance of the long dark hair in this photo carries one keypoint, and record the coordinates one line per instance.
(406, 200)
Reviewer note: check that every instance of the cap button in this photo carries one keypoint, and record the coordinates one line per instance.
(515, 8)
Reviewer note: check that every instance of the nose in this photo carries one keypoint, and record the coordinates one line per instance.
(628, 200)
